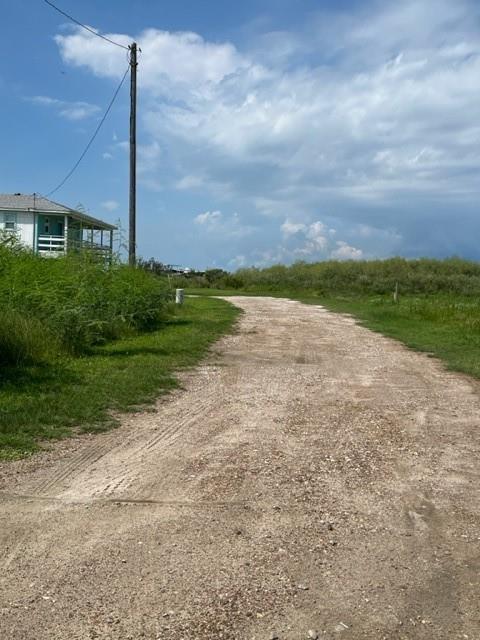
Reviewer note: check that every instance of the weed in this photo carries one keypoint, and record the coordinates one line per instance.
(79, 301)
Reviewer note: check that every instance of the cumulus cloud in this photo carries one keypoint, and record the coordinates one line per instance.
(68, 110)
(313, 241)
(290, 228)
(210, 218)
(172, 64)
(224, 227)
(404, 120)
(346, 252)
(373, 115)
(316, 235)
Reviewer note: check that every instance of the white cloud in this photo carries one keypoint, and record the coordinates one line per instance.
(78, 111)
(403, 121)
(371, 114)
(316, 234)
(223, 226)
(110, 205)
(106, 155)
(172, 64)
(346, 252)
(68, 110)
(208, 218)
(290, 228)
(304, 241)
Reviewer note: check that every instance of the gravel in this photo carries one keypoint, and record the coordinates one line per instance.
(311, 477)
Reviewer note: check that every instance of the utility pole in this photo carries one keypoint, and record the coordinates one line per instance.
(132, 235)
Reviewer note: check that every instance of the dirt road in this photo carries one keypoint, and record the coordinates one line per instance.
(312, 478)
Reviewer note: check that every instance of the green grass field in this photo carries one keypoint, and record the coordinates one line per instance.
(52, 399)
(444, 325)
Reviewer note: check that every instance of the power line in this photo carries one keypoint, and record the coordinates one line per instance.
(93, 137)
(84, 26)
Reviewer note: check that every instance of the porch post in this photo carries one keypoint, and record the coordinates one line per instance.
(35, 233)
(65, 235)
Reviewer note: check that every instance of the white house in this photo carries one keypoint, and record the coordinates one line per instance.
(50, 228)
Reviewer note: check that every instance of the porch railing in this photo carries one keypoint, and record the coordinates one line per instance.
(57, 244)
(86, 245)
(49, 243)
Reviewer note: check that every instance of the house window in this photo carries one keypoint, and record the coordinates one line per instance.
(10, 221)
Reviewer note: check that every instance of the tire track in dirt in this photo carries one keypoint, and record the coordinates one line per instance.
(86, 457)
(112, 468)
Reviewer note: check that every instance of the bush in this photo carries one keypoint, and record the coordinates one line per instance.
(78, 300)
(23, 340)
(374, 277)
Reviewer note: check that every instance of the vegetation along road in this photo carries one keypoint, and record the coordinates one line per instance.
(312, 479)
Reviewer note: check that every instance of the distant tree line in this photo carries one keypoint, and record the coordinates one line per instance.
(160, 268)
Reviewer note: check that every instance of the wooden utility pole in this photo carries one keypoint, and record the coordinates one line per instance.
(132, 235)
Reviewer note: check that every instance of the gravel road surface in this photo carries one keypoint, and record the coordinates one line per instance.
(311, 479)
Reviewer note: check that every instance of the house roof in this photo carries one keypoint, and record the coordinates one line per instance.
(35, 202)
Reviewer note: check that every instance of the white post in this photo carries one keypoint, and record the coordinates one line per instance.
(179, 296)
(65, 235)
(395, 293)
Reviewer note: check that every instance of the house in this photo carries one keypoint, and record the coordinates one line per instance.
(52, 229)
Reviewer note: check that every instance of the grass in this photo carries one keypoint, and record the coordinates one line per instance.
(52, 399)
(81, 340)
(444, 325)
(71, 303)
(351, 277)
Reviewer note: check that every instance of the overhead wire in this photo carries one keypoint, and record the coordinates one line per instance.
(70, 173)
(84, 26)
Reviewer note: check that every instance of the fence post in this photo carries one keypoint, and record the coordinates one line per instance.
(179, 296)
(395, 293)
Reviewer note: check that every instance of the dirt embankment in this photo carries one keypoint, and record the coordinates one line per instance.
(312, 479)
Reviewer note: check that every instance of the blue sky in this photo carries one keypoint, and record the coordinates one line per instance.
(269, 130)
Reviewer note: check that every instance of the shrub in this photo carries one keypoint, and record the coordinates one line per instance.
(377, 277)
(78, 299)
(23, 340)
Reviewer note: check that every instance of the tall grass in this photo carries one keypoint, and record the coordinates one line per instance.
(374, 277)
(22, 340)
(71, 303)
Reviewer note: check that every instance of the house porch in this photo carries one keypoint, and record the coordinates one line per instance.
(60, 234)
